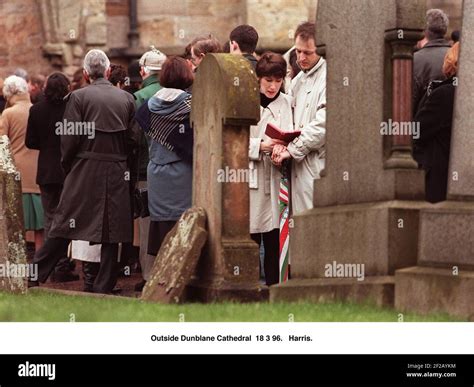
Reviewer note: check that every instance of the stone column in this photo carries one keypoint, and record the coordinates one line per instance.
(367, 204)
(225, 103)
(444, 278)
(12, 238)
(402, 42)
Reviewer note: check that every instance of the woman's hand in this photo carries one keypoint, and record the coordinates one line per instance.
(268, 144)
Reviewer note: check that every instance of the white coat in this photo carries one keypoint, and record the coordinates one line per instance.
(308, 150)
(264, 177)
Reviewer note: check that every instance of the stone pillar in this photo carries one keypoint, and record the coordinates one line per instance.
(225, 103)
(402, 42)
(444, 278)
(367, 204)
(12, 239)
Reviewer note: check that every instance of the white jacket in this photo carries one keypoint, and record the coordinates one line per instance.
(308, 150)
(264, 182)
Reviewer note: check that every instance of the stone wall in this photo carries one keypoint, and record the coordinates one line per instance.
(41, 36)
(21, 34)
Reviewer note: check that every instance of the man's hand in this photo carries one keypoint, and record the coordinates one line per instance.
(269, 143)
(280, 153)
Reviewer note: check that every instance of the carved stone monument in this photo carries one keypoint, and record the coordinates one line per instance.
(443, 281)
(366, 206)
(225, 104)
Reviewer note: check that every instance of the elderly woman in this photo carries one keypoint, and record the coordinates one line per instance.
(435, 117)
(13, 123)
(275, 108)
(165, 119)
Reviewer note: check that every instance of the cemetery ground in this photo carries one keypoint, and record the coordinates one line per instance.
(49, 306)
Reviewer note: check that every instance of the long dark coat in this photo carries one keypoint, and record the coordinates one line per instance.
(40, 135)
(95, 202)
(435, 117)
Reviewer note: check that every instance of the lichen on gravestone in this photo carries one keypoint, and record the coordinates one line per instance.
(177, 258)
(12, 241)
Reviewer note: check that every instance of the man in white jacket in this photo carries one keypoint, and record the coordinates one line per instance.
(308, 90)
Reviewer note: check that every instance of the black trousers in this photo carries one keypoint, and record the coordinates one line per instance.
(271, 244)
(50, 195)
(47, 257)
(157, 233)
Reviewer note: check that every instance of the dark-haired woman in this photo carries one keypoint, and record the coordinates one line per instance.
(165, 119)
(44, 117)
(275, 108)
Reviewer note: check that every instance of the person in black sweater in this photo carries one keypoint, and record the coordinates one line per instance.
(41, 135)
(435, 117)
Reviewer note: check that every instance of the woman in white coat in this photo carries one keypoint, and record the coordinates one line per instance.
(264, 176)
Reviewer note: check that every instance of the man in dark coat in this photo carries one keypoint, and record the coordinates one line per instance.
(428, 61)
(97, 138)
(436, 118)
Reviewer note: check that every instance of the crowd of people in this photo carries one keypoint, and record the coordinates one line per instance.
(87, 186)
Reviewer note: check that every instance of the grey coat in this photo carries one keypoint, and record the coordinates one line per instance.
(95, 204)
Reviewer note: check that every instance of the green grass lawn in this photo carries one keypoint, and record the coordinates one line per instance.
(57, 307)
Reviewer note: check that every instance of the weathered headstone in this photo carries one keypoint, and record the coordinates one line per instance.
(225, 104)
(176, 261)
(366, 205)
(12, 241)
(444, 278)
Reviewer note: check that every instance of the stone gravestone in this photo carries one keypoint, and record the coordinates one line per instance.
(12, 241)
(444, 278)
(177, 258)
(225, 104)
(364, 224)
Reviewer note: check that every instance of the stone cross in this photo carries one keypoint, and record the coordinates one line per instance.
(225, 104)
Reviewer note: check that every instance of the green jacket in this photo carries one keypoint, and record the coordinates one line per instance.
(149, 87)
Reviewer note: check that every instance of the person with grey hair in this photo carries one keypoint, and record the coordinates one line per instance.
(13, 124)
(22, 73)
(428, 61)
(98, 142)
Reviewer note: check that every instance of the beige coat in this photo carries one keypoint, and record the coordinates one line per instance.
(265, 177)
(308, 150)
(13, 123)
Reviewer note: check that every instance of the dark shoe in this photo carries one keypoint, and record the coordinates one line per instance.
(140, 285)
(90, 270)
(116, 290)
(64, 276)
(33, 284)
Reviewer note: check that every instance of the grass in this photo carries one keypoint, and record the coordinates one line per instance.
(53, 307)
